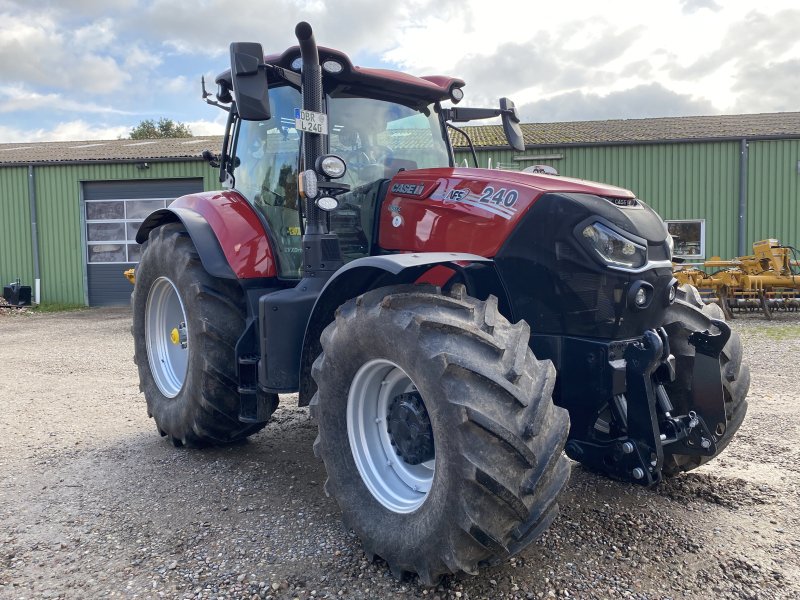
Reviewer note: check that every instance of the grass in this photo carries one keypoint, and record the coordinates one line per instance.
(780, 333)
(55, 307)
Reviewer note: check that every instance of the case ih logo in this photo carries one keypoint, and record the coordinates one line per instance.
(408, 189)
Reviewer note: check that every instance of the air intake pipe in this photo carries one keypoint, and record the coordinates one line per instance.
(316, 223)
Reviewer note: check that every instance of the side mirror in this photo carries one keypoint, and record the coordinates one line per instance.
(250, 88)
(510, 118)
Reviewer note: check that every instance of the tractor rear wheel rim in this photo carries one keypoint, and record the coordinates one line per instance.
(397, 485)
(166, 337)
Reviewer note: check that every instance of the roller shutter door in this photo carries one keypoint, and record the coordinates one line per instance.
(113, 211)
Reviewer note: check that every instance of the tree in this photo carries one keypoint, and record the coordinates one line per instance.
(165, 128)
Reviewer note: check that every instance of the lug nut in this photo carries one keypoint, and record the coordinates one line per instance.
(705, 443)
(637, 473)
(627, 447)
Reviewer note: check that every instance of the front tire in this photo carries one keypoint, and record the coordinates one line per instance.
(185, 326)
(448, 388)
(688, 314)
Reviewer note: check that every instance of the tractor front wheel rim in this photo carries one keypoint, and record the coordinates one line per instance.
(166, 336)
(394, 482)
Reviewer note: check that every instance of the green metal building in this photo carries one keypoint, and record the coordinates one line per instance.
(69, 210)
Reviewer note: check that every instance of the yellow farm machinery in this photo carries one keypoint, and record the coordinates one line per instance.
(766, 280)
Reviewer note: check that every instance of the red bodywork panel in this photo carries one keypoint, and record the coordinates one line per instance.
(467, 210)
(431, 87)
(238, 229)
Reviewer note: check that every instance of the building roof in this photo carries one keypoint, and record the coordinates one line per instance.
(619, 131)
(108, 150)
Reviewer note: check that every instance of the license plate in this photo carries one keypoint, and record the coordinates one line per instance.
(313, 122)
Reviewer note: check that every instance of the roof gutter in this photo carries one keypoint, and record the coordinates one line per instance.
(101, 161)
(755, 138)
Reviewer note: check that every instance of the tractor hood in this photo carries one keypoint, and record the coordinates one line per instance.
(541, 182)
(475, 210)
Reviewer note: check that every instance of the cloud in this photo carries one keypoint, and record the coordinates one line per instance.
(607, 47)
(692, 6)
(35, 49)
(757, 38)
(187, 26)
(138, 57)
(65, 131)
(97, 35)
(18, 99)
(769, 86)
(206, 127)
(653, 100)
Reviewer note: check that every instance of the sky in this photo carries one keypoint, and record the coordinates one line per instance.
(93, 69)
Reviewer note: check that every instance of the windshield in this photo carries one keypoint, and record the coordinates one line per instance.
(377, 138)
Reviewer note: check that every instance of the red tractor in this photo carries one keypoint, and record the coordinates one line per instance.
(453, 330)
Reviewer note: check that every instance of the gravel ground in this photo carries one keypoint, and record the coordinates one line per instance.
(93, 503)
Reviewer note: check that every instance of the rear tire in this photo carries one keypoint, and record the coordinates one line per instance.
(497, 465)
(687, 314)
(191, 393)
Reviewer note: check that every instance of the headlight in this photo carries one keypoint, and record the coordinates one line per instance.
(331, 166)
(613, 248)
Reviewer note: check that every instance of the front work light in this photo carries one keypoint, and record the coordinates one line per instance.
(327, 203)
(331, 166)
(613, 248)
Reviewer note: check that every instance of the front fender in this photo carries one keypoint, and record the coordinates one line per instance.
(359, 276)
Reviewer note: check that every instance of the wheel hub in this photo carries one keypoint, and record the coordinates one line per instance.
(167, 344)
(392, 479)
(410, 430)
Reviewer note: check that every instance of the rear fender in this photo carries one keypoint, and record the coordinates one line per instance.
(359, 276)
(227, 232)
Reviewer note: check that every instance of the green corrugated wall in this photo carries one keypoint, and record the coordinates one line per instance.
(685, 181)
(773, 191)
(58, 192)
(16, 259)
(681, 181)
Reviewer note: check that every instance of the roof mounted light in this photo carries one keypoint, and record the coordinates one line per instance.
(456, 95)
(297, 64)
(332, 66)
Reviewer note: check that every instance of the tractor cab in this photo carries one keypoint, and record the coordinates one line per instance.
(379, 122)
(375, 137)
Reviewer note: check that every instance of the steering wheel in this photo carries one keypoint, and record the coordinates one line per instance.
(379, 154)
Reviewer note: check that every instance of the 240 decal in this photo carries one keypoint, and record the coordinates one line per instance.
(500, 197)
(497, 201)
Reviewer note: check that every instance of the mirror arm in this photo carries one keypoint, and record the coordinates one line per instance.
(464, 114)
(469, 141)
(292, 78)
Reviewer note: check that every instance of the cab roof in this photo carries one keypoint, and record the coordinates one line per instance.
(364, 80)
